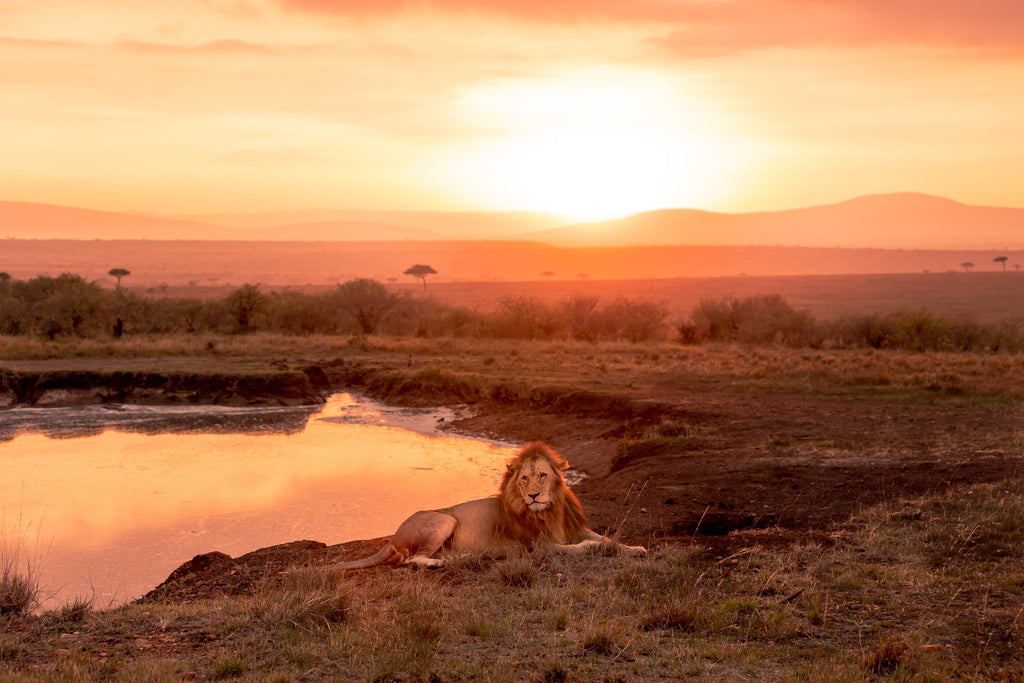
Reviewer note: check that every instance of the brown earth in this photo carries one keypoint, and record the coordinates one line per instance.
(712, 468)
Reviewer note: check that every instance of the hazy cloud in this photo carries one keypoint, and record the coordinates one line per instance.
(227, 46)
(731, 25)
(751, 24)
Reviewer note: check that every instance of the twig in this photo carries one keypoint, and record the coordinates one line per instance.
(739, 553)
(630, 510)
(793, 597)
(700, 520)
(767, 581)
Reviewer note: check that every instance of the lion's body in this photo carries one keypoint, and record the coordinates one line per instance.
(533, 505)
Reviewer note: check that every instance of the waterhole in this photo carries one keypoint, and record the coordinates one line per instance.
(104, 502)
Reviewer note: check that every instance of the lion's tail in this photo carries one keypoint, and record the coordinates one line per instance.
(383, 556)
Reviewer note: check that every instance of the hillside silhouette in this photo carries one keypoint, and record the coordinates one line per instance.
(890, 221)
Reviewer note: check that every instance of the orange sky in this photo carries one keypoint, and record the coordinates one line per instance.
(589, 108)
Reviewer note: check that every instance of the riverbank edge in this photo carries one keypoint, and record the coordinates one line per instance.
(58, 388)
(216, 572)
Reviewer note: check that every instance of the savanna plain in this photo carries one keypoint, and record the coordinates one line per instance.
(826, 494)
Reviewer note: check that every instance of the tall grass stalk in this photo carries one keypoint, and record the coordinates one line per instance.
(19, 585)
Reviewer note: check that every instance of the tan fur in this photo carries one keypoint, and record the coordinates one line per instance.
(533, 505)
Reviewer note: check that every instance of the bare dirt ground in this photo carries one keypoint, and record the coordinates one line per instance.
(798, 464)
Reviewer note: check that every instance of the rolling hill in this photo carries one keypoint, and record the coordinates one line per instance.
(890, 221)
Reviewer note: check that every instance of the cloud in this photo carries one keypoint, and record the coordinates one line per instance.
(558, 10)
(226, 46)
(738, 25)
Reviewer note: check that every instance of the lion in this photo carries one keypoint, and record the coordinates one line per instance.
(533, 505)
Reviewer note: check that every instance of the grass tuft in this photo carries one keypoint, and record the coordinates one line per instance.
(73, 612)
(885, 658)
(229, 667)
(19, 587)
(670, 617)
(308, 599)
(517, 572)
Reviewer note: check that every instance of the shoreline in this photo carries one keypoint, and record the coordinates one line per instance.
(66, 387)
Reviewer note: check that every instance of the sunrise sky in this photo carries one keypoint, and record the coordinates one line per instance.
(586, 108)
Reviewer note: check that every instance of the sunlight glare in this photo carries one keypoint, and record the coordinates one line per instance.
(589, 146)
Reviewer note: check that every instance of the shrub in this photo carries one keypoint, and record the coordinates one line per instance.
(365, 302)
(296, 313)
(522, 318)
(867, 331)
(637, 321)
(922, 331)
(582, 317)
(755, 320)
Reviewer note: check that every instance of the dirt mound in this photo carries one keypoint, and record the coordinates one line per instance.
(215, 574)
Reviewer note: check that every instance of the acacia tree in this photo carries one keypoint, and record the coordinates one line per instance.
(421, 271)
(1002, 260)
(967, 265)
(119, 273)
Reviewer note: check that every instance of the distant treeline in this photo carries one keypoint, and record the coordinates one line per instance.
(70, 306)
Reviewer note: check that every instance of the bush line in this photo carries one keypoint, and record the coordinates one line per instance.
(69, 306)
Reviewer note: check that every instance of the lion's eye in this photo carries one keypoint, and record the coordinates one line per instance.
(543, 476)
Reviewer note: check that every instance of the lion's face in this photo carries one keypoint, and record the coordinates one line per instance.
(536, 482)
(535, 501)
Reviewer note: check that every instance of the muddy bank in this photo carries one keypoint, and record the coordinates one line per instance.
(306, 386)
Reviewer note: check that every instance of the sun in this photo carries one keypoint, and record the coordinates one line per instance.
(587, 146)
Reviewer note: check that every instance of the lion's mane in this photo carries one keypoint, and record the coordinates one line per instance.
(562, 521)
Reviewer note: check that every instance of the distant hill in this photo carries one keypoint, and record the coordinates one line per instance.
(441, 224)
(333, 231)
(891, 221)
(25, 220)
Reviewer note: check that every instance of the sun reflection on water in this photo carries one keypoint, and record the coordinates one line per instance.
(112, 514)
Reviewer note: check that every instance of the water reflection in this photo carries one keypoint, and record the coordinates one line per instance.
(113, 513)
(74, 422)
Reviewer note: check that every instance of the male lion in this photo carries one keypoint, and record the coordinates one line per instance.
(533, 504)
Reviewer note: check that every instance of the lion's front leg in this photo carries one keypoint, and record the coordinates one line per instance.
(593, 541)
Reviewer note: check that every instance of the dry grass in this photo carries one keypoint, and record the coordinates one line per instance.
(522, 371)
(928, 589)
(19, 587)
